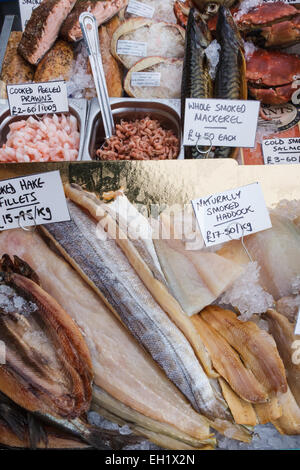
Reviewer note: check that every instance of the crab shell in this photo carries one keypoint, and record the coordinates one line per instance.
(271, 24)
(148, 63)
(267, 25)
(181, 10)
(133, 24)
(271, 75)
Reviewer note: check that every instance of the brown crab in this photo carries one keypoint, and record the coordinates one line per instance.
(267, 25)
(271, 25)
(271, 75)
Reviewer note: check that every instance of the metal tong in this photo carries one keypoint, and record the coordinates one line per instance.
(89, 30)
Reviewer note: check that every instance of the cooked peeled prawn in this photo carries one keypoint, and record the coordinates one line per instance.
(50, 138)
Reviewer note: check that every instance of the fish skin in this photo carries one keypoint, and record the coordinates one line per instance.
(100, 438)
(196, 81)
(139, 383)
(103, 10)
(37, 377)
(105, 404)
(38, 36)
(230, 80)
(283, 333)
(121, 220)
(21, 429)
(104, 264)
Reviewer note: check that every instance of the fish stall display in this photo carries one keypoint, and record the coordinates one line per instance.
(161, 52)
(123, 331)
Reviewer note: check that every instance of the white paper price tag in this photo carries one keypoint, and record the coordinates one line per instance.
(284, 1)
(134, 48)
(26, 8)
(225, 123)
(145, 79)
(38, 98)
(140, 9)
(297, 329)
(32, 200)
(281, 151)
(232, 214)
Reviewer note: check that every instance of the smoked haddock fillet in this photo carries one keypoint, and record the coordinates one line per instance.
(229, 365)
(121, 367)
(256, 347)
(195, 278)
(277, 252)
(283, 333)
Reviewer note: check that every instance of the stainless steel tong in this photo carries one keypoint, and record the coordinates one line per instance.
(89, 30)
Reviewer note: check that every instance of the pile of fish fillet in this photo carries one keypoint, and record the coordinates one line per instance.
(99, 314)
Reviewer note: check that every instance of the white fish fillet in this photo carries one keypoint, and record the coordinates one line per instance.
(122, 368)
(277, 252)
(133, 234)
(195, 278)
(104, 266)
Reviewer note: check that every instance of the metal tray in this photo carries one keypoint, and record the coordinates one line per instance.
(78, 108)
(167, 112)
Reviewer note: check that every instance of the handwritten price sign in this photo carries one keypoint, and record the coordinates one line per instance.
(32, 200)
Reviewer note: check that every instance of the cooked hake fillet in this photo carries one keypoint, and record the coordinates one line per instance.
(15, 69)
(256, 347)
(56, 64)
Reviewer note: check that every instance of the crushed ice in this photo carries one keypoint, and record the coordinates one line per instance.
(212, 53)
(11, 302)
(288, 208)
(81, 83)
(265, 437)
(246, 6)
(254, 299)
(249, 48)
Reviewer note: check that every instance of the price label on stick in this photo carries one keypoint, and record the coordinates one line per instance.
(32, 200)
(38, 98)
(232, 214)
(222, 123)
(281, 151)
(140, 9)
(26, 8)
